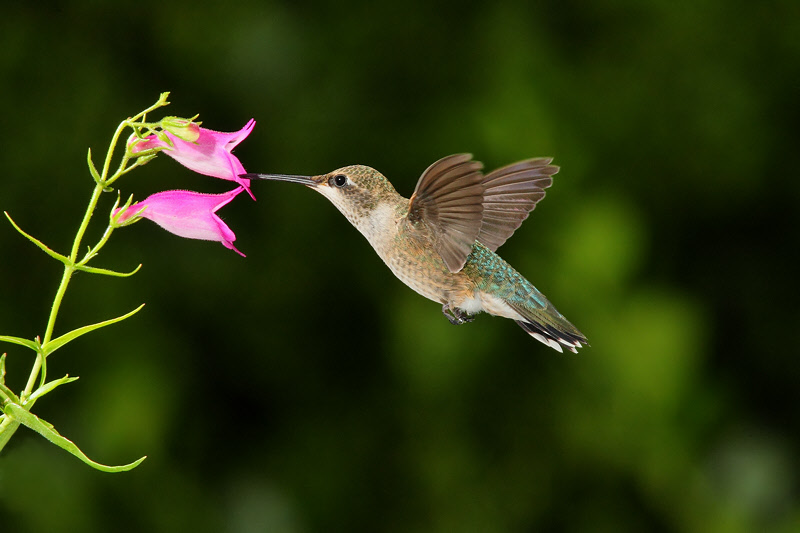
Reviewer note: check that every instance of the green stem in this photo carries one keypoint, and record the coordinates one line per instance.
(98, 190)
(96, 248)
(110, 153)
(69, 269)
(37, 367)
(162, 101)
(8, 424)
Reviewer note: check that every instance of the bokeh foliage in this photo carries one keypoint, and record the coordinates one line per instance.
(305, 388)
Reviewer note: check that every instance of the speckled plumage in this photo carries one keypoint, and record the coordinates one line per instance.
(413, 237)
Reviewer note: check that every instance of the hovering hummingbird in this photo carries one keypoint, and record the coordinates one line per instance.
(442, 241)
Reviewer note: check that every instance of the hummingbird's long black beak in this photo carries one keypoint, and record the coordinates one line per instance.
(305, 180)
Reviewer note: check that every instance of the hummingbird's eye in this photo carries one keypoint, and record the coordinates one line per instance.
(339, 180)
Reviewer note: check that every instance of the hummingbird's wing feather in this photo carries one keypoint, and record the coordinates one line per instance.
(449, 198)
(511, 193)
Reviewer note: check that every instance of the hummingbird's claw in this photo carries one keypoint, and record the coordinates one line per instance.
(455, 315)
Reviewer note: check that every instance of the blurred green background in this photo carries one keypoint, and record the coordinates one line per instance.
(304, 388)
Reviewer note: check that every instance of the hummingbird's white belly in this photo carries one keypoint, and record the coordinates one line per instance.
(483, 301)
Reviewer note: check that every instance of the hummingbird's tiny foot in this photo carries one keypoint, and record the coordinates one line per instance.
(455, 315)
(463, 316)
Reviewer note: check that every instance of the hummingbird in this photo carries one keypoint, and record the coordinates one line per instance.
(442, 241)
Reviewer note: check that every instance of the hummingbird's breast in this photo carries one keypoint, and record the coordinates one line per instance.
(408, 251)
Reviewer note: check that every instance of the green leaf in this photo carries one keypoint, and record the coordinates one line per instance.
(44, 389)
(18, 340)
(92, 168)
(55, 255)
(57, 343)
(5, 392)
(7, 428)
(47, 430)
(107, 272)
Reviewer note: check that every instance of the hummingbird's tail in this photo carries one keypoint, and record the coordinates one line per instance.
(548, 326)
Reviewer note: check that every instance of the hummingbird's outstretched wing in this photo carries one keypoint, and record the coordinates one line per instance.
(449, 198)
(511, 193)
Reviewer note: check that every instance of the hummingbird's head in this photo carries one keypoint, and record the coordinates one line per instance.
(356, 190)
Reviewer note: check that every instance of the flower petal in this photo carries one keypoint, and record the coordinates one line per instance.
(209, 155)
(189, 214)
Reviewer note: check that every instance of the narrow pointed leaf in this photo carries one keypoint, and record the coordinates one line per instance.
(18, 340)
(37, 242)
(92, 168)
(57, 343)
(44, 389)
(47, 430)
(7, 393)
(7, 428)
(107, 272)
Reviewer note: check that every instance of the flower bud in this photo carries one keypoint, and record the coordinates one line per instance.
(181, 128)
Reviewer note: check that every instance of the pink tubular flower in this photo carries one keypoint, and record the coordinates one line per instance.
(210, 154)
(188, 214)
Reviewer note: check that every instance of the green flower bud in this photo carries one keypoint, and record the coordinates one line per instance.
(181, 128)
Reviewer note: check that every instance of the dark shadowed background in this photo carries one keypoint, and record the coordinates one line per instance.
(304, 388)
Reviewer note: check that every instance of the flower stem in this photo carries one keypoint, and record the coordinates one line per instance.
(162, 101)
(69, 269)
(26, 400)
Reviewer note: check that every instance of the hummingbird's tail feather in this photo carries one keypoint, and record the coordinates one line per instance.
(549, 327)
(552, 337)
